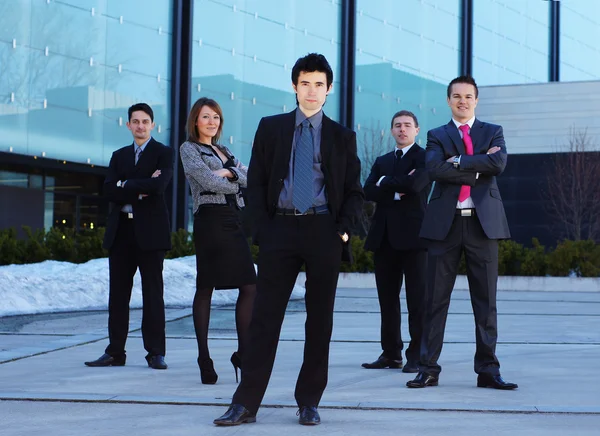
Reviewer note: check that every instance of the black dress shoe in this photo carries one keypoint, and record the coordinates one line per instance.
(494, 381)
(156, 361)
(412, 367)
(108, 360)
(383, 362)
(423, 379)
(308, 416)
(236, 415)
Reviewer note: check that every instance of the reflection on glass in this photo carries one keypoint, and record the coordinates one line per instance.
(579, 35)
(407, 52)
(13, 179)
(69, 70)
(246, 64)
(510, 42)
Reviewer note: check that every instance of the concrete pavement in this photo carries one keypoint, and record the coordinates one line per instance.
(549, 344)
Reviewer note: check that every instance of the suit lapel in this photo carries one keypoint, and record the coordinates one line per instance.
(477, 132)
(144, 155)
(283, 151)
(326, 140)
(452, 132)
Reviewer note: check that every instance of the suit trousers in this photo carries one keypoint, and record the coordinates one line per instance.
(287, 243)
(481, 256)
(125, 257)
(391, 266)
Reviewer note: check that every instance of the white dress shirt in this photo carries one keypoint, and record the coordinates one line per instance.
(468, 203)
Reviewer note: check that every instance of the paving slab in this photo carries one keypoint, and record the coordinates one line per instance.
(549, 342)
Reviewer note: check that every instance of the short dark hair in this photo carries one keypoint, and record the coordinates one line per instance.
(404, 113)
(310, 63)
(463, 79)
(141, 107)
(192, 128)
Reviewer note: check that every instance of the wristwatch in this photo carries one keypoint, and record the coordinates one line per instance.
(456, 162)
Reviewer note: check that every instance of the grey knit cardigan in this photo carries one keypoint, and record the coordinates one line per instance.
(199, 162)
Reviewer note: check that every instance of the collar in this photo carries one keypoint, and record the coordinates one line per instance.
(143, 146)
(315, 120)
(405, 149)
(470, 123)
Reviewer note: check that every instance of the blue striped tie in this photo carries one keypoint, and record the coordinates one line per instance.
(303, 165)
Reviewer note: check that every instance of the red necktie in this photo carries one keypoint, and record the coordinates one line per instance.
(465, 191)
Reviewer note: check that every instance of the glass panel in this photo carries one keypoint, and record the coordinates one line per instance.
(70, 69)
(246, 64)
(510, 42)
(579, 35)
(64, 210)
(13, 179)
(407, 53)
(92, 212)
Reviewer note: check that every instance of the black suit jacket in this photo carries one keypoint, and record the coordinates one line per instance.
(269, 166)
(444, 142)
(151, 217)
(403, 217)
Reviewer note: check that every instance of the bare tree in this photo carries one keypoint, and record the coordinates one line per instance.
(573, 196)
(372, 143)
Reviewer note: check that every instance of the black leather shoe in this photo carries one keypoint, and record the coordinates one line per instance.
(412, 367)
(494, 381)
(308, 415)
(156, 361)
(383, 362)
(236, 415)
(423, 379)
(108, 360)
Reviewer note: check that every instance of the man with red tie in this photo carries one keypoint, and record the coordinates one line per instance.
(464, 215)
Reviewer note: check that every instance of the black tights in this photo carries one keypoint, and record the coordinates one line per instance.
(243, 314)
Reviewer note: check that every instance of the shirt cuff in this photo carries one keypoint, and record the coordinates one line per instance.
(379, 181)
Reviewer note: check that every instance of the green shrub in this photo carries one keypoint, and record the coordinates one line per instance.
(182, 244)
(11, 250)
(363, 259)
(511, 255)
(580, 258)
(61, 244)
(89, 245)
(535, 260)
(34, 248)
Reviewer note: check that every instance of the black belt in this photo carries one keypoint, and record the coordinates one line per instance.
(128, 215)
(319, 210)
(465, 212)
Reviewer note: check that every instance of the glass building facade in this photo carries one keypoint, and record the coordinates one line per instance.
(69, 69)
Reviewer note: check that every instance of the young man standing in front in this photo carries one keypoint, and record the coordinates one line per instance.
(304, 194)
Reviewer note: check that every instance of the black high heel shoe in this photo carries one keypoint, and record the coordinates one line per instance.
(236, 361)
(207, 372)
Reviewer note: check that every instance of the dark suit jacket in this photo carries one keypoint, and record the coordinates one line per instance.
(151, 217)
(403, 217)
(269, 166)
(444, 142)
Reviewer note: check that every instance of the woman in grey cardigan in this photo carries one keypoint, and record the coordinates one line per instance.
(223, 259)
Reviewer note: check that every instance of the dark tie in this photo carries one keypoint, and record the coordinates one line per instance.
(303, 195)
(399, 153)
(138, 154)
(465, 191)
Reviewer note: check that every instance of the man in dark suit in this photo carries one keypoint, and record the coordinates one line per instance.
(304, 192)
(465, 215)
(137, 236)
(399, 184)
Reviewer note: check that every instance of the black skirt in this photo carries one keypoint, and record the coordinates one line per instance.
(223, 259)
